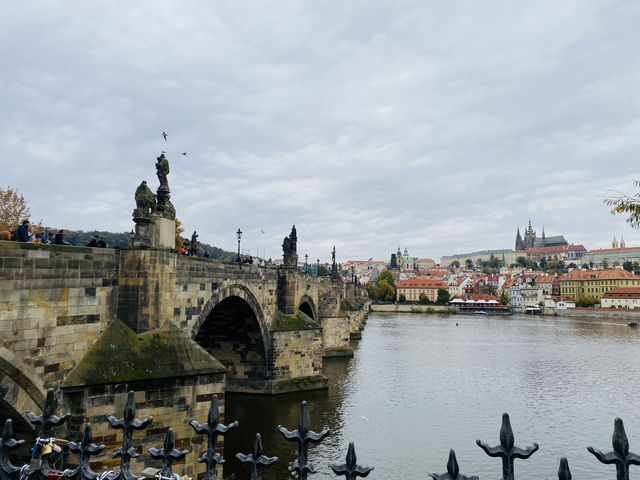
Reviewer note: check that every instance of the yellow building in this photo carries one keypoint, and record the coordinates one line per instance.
(595, 283)
(412, 288)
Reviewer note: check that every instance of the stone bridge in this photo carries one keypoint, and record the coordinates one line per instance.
(94, 323)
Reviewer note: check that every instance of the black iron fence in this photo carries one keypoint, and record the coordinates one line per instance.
(43, 466)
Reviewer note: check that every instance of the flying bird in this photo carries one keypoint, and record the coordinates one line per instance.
(164, 134)
(184, 153)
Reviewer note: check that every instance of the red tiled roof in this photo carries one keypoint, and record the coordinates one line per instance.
(480, 296)
(608, 274)
(602, 250)
(558, 249)
(422, 282)
(623, 292)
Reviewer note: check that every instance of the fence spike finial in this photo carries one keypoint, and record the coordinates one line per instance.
(8, 443)
(453, 471)
(620, 456)
(350, 469)
(563, 471)
(168, 454)
(257, 461)
(85, 449)
(212, 429)
(302, 467)
(128, 423)
(506, 450)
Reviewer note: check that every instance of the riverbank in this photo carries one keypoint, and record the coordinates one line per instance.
(601, 313)
(403, 308)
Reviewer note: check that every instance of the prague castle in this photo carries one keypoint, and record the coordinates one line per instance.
(531, 241)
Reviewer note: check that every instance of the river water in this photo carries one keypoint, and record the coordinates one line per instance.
(419, 385)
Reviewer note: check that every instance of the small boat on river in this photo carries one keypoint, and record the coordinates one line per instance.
(535, 310)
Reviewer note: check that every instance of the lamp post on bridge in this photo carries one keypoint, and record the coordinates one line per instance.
(306, 264)
(239, 235)
(318, 267)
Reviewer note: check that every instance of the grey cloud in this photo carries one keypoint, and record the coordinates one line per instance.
(439, 126)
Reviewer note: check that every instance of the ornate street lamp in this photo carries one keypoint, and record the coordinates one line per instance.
(318, 267)
(306, 265)
(239, 235)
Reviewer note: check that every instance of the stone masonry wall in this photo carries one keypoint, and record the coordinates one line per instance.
(297, 353)
(54, 302)
(199, 280)
(171, 402)
(328, 299)
(147, 287)
(336, 336)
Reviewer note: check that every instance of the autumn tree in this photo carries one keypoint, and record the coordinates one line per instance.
(505, 298)
(384, 289)
(179, 232)
(629, 204)
(13, 209)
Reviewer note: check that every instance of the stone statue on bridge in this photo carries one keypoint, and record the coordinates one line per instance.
(145, 201)
(290, 249)
(162, 170)
(194, 244)
(164, 205)
(335, 273)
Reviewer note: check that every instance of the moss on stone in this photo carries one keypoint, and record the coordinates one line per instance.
(301, 383)
(121, 355)
(296, 321)
(346, 306)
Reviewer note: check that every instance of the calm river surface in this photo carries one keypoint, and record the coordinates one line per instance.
(419, 385)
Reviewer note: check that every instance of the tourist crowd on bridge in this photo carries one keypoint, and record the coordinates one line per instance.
(27, 233)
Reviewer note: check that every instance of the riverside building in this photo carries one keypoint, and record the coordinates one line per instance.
(595, 283)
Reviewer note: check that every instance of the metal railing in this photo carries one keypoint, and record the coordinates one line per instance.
(41, 466)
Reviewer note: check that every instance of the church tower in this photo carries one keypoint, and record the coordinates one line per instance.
(622, 244)
(519, 243)
(614, 243)
(529, 237)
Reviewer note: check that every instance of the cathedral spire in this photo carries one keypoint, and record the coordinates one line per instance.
(519, 243)
(614, 243)
(543, 237)
(622, 244)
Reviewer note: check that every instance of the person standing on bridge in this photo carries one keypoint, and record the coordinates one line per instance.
(23, 231)
(59, 238)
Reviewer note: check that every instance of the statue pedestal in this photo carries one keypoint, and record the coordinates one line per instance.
(164, 234)
(145, 230)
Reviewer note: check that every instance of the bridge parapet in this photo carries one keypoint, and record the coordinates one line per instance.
(54, 303)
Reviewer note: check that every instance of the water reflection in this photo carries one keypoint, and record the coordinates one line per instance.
(419, 385)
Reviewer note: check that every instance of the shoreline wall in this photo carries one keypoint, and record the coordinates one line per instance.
(412, 308)
(601, 313)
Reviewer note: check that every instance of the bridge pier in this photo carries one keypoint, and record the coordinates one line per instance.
(173, 378)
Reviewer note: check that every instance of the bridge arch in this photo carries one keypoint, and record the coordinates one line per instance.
(307, 306)
(233, 329)
(20, 391)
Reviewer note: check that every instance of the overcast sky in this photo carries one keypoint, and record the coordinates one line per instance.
(439, 126)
